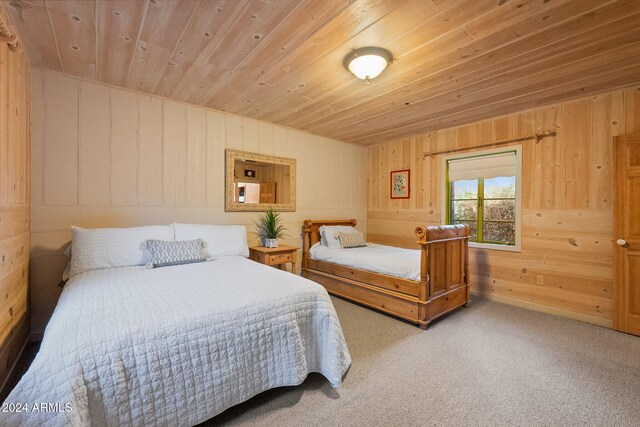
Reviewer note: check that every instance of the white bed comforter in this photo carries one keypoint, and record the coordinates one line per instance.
(177, 345)
(389, 260)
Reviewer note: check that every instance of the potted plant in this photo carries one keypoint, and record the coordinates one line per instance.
(270, 228)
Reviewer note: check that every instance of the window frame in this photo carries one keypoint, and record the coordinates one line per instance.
(446, 195)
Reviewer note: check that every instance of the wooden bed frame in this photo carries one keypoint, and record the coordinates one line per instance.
(443, 284)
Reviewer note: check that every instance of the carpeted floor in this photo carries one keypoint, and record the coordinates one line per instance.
(488, 364)
(485, 365)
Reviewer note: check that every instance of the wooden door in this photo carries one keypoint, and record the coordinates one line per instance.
(268, 192)
(626, 310)
(251, 192)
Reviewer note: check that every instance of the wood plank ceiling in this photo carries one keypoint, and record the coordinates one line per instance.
(455, 61)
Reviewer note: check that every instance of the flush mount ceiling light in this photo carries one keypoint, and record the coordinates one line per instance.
(367, 63)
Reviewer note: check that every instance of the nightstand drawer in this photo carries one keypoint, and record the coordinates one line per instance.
(275, 257)
(280, 258)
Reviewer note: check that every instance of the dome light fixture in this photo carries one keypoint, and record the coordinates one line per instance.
(367, 63)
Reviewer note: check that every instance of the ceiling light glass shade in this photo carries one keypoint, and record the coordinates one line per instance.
(368, 62)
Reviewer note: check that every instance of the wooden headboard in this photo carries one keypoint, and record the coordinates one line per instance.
(311, 227)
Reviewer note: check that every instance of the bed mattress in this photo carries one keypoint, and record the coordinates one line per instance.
(389, 260)
(177, 345)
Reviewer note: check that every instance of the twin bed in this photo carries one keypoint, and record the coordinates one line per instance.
(129, 344)
(415, 285)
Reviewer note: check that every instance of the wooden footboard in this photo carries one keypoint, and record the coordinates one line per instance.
(443, 284)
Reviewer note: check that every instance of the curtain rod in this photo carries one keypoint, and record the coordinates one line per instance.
(7, 36)
(537, 136)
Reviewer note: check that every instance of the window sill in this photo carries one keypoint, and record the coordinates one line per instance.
(493, 246)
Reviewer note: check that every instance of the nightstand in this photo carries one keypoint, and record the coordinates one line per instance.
(275, 256)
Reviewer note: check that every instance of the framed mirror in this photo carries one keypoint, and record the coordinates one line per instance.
(258, 182)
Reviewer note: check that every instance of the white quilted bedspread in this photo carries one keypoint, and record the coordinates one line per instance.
(389, 260)
(175, 346)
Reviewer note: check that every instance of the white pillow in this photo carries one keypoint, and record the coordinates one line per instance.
(98, 248)
(67, 271)
(221, 240)
(329, 234)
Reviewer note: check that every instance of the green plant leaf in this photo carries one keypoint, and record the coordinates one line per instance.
(269, 227)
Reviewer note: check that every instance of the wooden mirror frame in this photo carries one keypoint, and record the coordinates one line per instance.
(230, 206)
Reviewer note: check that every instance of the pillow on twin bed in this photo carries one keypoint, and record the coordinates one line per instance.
(99, 248)
(329, 234)
(164, 253)
(352, 240)
(220, 240)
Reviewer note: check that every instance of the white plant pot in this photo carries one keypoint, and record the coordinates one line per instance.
(270, 243)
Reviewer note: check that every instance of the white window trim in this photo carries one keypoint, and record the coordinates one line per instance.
(518, 149)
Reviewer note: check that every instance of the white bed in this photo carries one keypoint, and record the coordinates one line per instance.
(177, 345)
(389, 260)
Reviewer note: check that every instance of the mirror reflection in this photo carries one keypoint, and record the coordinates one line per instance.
(261, 182)
(257, 182)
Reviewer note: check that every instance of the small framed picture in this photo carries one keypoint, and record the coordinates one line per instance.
(401, 184)
(249, 173)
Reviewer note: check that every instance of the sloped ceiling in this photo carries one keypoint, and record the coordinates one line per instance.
(455, 61)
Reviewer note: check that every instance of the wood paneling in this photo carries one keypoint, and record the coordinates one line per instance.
(72, 24)
(117, 25)
(150, 149)
(149, 160)
(93, 145)
(455, 62)
(174, 151)
(14, 207)
(60, 172)
(196, 156)
(123, 147)
(566, 263)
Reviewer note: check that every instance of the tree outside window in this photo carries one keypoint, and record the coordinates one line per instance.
(482, 192)
(487, 206)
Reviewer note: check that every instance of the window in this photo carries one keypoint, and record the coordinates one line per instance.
(483, 191)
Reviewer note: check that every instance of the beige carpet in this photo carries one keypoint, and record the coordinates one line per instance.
(488, 364)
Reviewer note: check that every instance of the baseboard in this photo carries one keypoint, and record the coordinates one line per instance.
(3, 392)
(606, 323)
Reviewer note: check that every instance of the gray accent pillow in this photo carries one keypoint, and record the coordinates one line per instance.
(164, 253)
(352, 240)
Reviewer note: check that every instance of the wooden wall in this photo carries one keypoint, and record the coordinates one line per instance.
(565, 266)
(14, 207)
(280, 175)
(104, 156)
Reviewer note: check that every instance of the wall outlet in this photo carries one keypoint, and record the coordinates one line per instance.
(539, 280)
